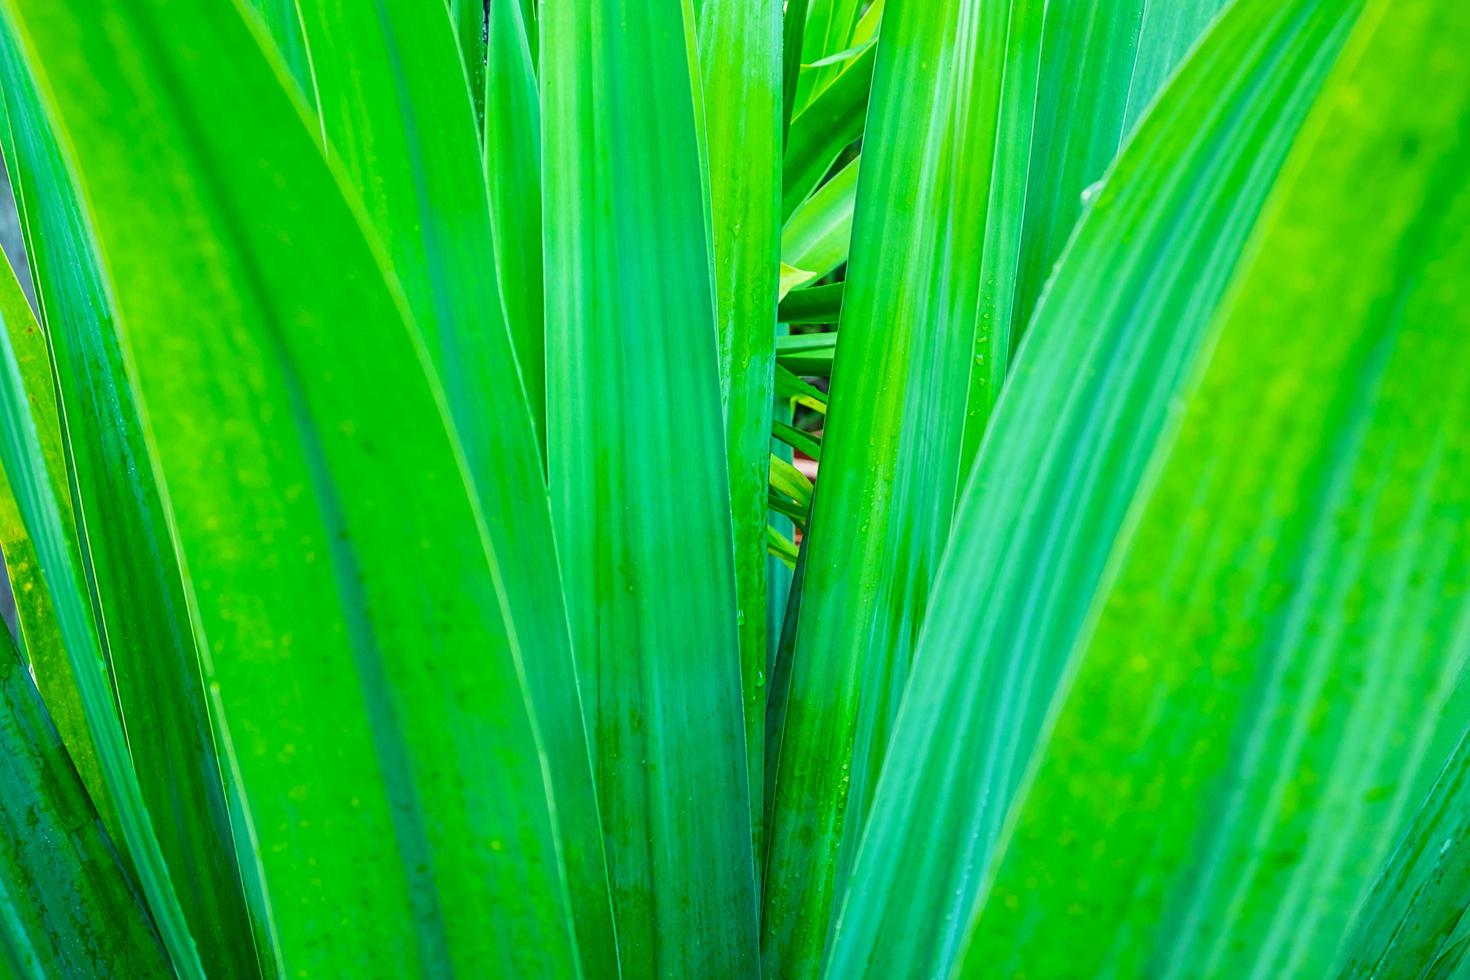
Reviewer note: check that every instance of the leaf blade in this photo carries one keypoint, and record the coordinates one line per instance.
(632, 331)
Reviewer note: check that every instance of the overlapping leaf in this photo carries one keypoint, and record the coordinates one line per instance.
(910, 310)
(631, 338)
(1088, 399)
(395, 112)
(320, 501)
(126, 549)
(1415, 922)
(1269, 689)
(67, 905)
(739, 59)
(39, 633)
(49, 528)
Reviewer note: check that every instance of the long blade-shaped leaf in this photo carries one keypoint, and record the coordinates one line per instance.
(320, 501)
(468, 19)
(829, 25)
(823, 129)
(816, 236)
(630, 341)
(49, 528)
(1415, 921)
(1067, 450)
(513, 166)
(39, 630)
(1255, 714)
(1101, 64)
(922, 391)
(283, 22)
(911, 327)
(394, 111)
(740, 65)
(127, 550)
(67, 904)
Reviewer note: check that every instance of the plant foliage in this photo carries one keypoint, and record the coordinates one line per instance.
(724, 488)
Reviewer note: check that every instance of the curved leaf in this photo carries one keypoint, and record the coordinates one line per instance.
(911, 327)
(319, 500)
(127, 552)
(1257, 710)
(1101, 64)
(42, 645)
(1089, 396)
(394, 112)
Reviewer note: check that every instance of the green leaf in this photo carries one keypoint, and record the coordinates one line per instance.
(797, 439)
(39, 631)
(1087, 402)
(797, 391)
(821, 131)
(790, 278)
(1101, 64)
(792, 510)
(780, 534)
(815, 304)
(793, 26)
(513, 174)
(829, 26)
(468, 20)
(808, 354)
(404, 742)
(1415, 921)
(631, 338)
(787, 479)
(67, 905)
(282, 20)
(740, 66)
(1255, 715)
(1165, 35)
(781, 547)
(49, 527)
(392, 101)
(835, 33)
(817, 234)
(911, 328)
(127, 553)
(841, 57)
